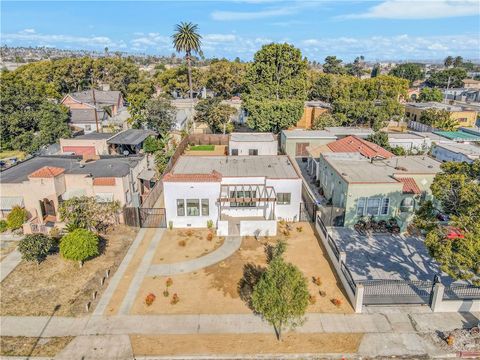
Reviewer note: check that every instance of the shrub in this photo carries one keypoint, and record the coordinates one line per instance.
(3, 226)
(170, 225)
(55, 233)
(35, 247)
(322, 293)
(16, 218)
(175, 299)
(189, 233)
(182, 243)
(149, 299)
(210, 236)
(317, 281)
(169, 282)
(336, 302)
(79, 245)
(166, 293)
(209, 224)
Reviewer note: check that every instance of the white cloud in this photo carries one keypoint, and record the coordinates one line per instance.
(155, 40)
(269, 12)
(219, 38)
(420, 9)
(32, 37)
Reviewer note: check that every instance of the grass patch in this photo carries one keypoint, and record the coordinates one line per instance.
(202, 148)
(32, 346)
(5, 154)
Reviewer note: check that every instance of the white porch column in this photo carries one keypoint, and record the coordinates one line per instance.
(437, 297)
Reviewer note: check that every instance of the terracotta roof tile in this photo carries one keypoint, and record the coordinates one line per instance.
(212, 177)
(355, 144)
(47, 172)
(104, 181)
(409, 185)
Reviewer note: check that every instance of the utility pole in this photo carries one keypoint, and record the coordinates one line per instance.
(95, 108)
(446, 90)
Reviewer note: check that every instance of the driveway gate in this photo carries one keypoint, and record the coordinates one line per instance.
(152, 218)
(383, 292)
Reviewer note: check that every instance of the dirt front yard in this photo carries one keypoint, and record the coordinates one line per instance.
(56, 283)
(32, 346)
(183, 244)
(216, 289)
(236, 344)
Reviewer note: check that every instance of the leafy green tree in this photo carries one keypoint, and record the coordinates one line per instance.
(226, 78)
(452, 77)
(456, 192)
(79, 245)
(281, 295)
(410, 71)
(375, 70)
(458, 61)
(16, 217)
(333, 65)
(448, 61)
(430, 94)
(278, 72)
(177, 80)
(187, 39)
(215, 114)
(151, 145)
(158, 115)
(273, 115)
(440, 119)
(86, 213)
(357, 67)
(35, 247)
(380, 138)
(324, 120)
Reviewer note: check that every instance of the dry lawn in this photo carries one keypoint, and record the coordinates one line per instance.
(180, 245)
(32, 346)
(219, 150)
(215, 289)
(237, 344)
(34, 290)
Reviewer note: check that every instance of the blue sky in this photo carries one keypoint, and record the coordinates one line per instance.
(379, 30)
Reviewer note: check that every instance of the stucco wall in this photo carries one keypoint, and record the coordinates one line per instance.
(409, 144)
(263, 147)
(442, 154)
(294, 187)
(290, 144)
(258, 227)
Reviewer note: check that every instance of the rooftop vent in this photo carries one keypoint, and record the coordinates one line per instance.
(401, 168)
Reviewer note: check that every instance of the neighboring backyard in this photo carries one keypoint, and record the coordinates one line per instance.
(202, 150)
(60, 287)
(215, 289)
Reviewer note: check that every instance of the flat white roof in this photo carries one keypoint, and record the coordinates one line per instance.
(270, 166)
(252, 137)
(470, 150)
(395, 135)
(348, 130)
(308, 134)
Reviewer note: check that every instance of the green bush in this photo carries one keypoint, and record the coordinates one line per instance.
(35, 247)
(79, 245)
(3, 226)
(16, 218)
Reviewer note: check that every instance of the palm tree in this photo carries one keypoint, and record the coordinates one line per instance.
(187, 39)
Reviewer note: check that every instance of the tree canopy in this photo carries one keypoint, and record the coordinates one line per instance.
(441, 78)
(226, 78)
(215, 114)
(409, 71)
(440, 119)
(456, 193)
(273, 115)
(333, 65)
(430, 94)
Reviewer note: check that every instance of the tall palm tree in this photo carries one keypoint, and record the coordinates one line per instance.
(187, 39)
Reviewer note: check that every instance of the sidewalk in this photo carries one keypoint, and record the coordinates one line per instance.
(9, 263)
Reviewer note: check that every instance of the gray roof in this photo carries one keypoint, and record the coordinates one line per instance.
(362, 170)
(308, 134)
(318, 103)
(94, 136)
(85, 115)
(435, 105)
(397, 135)
(106, 166)
(349, 130)
(101, 97)
(130, 137)
(469, 150)
(252, 137)
(270, 166)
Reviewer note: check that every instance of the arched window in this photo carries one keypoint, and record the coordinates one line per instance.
(406, 205)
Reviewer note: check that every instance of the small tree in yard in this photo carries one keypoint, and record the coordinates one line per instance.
(35, 247)
(281, 295)
(16, 218)
(79, 245)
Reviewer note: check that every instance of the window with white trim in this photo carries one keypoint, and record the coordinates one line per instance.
(205, 207)
(385, 206)
(283, 198)
(193, 207)
(373, 206)
(361, 206)
(180, 207)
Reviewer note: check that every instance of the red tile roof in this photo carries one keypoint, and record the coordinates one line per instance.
(355, 144)
(409, 185)
(47, 172)
(104, 181)
(213, 177)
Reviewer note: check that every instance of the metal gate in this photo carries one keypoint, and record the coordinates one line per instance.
(308, 207)
(152, 218)
(384, 292)
(145, 217)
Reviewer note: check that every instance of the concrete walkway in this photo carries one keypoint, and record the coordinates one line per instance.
(231, 244)
(9, 263)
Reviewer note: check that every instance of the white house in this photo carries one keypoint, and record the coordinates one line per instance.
(240, 195)
(409, 141)
(252, 144)
(458, 152)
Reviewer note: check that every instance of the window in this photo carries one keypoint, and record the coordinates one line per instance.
(180, 207)
(283, 198)
(252, 151)
(242, 195)
(104, 197)
(234, 152)
(373, 206)
(385, 205)
(88, 127)
(361, 206)
(193, 207)
(205, 207)
(406, 205)
(462, 119)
